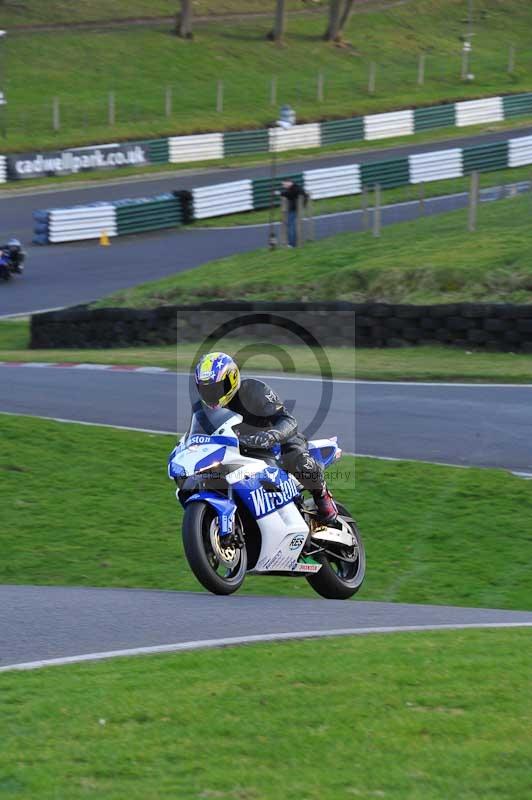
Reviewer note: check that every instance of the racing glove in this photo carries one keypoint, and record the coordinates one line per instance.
(262, 440)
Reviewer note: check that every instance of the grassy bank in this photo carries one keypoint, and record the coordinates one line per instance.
(432, 716)
(411, 364)
(138, 65)
(62, 12)
(433, 534)
(430, 260)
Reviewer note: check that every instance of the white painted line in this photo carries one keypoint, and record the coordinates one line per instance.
(153, 370)
(29, 313)
(38, 364)
(89, 366)
(418, 461)
(204, 644)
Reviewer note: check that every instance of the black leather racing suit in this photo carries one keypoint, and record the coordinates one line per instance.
(262, 409)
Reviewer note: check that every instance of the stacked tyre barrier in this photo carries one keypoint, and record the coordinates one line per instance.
(485, 326)
(209, 147)
(74, 224)
(107, 219)
(3, 169)
(171, 210)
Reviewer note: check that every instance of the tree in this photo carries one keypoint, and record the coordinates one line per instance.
(339, 13)
(277, 33)
(183, 27)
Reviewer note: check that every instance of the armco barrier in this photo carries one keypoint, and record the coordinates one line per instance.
(113, 219)
(474, 112)
(148, 214)
(484, 157)
(520, 151)
(436, 166)
(332, 182)
(468, 325)
(434, 117)
(388, 174)
(242, 142)
(296, 138)
(131, 216)
(517, 105)
(74, 224)
(204, 147)
(342, 130)
(385, 126)
(226, 198)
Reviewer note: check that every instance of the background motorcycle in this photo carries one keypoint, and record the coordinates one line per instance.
(246, 514)
(12, 258)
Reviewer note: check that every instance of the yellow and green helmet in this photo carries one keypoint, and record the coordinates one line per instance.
(217, 378)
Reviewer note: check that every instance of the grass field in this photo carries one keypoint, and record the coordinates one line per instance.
(408, 717)
(413, 363)
(93, 507)
(64, 12)
(430, 260)
(138, 65)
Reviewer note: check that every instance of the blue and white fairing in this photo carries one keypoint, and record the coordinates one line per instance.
(267, 491)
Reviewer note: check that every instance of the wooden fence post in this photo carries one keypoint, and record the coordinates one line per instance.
(421, 70)
(273, 92)
(112, 108)
(372, 80)
(220, 97)
(377, 212)
(320, 87)
(56, 114)
(168, 101)
(473, 202)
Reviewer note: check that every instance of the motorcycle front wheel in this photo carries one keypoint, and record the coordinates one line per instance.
(342, 573)
(219, 566)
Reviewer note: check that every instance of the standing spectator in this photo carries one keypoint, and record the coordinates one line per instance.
(293, 192)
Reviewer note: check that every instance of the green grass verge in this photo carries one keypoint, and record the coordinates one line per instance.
(411, 717)
(143, 62)
(433, 534)
(429, 260)
(414, 363)
(64, 12)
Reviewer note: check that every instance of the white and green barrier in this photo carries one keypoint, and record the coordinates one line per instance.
(170, 210)
(107, 219)
(218, 146)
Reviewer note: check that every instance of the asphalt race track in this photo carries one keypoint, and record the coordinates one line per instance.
(69, 274)
(486, 426)
(45, 623)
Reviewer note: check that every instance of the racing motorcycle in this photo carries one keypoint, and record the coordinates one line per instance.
(247, 515)
(12, 258)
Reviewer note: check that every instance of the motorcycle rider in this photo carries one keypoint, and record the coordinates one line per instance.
(265, 424)
(14, 254)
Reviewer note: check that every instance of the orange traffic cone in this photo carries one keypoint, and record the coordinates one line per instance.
(104, 239)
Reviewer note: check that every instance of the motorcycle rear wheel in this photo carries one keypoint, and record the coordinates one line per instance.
(219, 568)
(339, 579)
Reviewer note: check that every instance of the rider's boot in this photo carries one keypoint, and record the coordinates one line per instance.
(327, 510)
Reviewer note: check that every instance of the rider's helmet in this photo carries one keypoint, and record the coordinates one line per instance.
(14, 249)
(217, 378)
